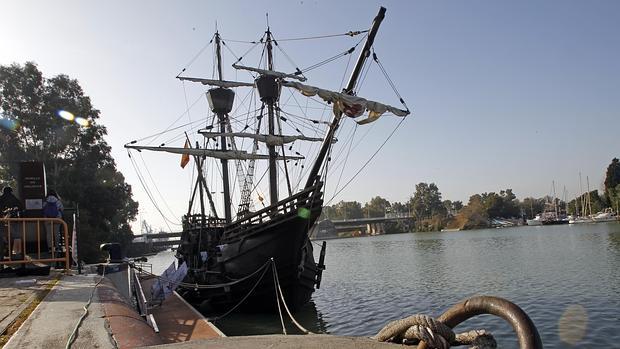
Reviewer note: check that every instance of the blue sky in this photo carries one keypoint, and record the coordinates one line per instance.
(504, 94)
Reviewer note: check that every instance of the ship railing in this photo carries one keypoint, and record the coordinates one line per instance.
(141, 300)
(287, 206)
(198, 220)
(23, 239)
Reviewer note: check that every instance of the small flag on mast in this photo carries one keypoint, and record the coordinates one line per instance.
(185, 157)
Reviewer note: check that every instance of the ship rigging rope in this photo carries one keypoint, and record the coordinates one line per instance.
(367, 161)
(169, 128)
(191, 61)
(201, 287)
(349, 33)
(157, 189)
(148, 192)
(346, 158)
(290, 60)
(189, 116)
(387, 77)
(335, 57)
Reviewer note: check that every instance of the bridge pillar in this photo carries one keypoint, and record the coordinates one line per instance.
(381, 228)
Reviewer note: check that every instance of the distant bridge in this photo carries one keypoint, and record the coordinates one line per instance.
(370, 226)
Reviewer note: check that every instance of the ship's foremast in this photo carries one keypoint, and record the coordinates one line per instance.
(327, 143)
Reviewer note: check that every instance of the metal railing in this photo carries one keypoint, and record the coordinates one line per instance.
(143, 303)
(19, 235)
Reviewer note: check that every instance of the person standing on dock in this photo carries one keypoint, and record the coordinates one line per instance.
(9, 201)
(10, 207)
(53, 208)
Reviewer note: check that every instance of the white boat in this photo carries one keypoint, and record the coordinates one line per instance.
(580, 220)
(535, 221)
(606, 216)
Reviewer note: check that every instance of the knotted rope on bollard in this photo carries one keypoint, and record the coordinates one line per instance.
(435, 334)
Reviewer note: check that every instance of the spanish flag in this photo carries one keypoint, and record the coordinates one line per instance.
(185, 157)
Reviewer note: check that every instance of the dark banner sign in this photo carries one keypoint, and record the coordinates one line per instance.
(32, 186)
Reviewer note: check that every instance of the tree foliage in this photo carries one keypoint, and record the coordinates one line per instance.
(77, 159)
(426, 201)
(343, 210)
(532, 206)
(612, 181)
(473, 215)
(376, 207)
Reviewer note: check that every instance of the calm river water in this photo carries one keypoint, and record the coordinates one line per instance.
(567, 278)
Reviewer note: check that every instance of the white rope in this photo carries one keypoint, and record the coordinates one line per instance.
(279, 290)
(196, 286)
(90, 299)
(275, 283)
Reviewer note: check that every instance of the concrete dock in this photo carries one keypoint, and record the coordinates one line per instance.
(52, 322)
(283, 342)
(111, 322)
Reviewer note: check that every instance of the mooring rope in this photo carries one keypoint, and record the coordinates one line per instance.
(437, 333)
(197, 286)
(279, 291)
(434, 333)
(86, 306)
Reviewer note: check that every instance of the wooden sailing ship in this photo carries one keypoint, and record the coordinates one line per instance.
(225, 254)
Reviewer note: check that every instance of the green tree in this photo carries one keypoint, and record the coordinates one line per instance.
(376, 207)
(473, 215)
(532, 206)
(347, 210)
(426, 201)
(457, 206)
(612, 180)
(77, 159)
(399, 208)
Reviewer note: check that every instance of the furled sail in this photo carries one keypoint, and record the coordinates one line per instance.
(277, 74)
(218, 154)
(219, 83)
(351, 106)
(268, 139)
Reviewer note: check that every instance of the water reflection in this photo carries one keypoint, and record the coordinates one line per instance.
(237, 324)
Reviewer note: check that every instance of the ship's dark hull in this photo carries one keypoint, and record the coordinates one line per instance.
(244, 249)
(555, 222)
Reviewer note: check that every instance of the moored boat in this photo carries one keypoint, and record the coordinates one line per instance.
(228, 256)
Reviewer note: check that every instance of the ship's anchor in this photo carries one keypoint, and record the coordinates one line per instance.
(437, 333)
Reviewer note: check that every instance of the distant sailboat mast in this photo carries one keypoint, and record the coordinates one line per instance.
(589, 201)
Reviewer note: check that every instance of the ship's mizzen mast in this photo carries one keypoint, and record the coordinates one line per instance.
(364, 54)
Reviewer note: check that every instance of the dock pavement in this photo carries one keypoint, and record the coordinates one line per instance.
(112, 321)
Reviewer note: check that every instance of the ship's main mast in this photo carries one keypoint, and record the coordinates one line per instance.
(269, 91)
(273, 168)
(223, 145)
(221, 103)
